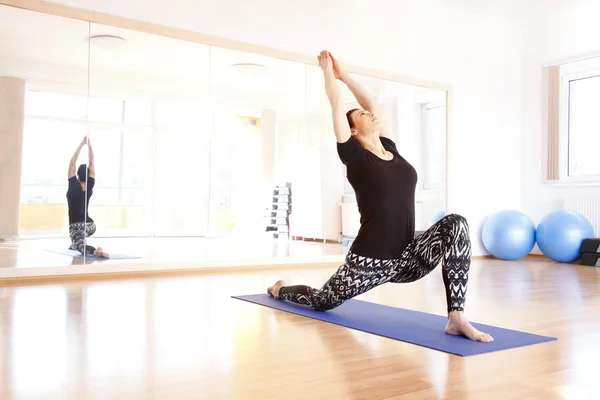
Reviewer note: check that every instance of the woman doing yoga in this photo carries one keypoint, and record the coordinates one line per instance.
(81, 188)
(385, 249)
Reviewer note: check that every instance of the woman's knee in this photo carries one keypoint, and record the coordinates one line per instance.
(456, 229)
(456, 220)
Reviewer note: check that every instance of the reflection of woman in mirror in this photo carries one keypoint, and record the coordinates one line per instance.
(385, 249)
(81, 187)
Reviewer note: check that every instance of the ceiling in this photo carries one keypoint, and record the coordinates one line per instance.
(55, 52)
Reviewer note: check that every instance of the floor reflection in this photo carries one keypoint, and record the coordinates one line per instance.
(34, 253)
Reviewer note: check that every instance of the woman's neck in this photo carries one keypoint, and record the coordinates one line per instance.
(373, 143)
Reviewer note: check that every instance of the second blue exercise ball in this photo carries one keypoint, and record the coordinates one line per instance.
(508, 235)
(559, 235)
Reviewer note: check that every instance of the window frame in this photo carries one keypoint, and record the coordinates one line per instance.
(568, 73)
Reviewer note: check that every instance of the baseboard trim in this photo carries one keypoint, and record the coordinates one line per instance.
(491, 257)
(537, 256)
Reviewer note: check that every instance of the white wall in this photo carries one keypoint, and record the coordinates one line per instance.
(564, 31)
(472, 45)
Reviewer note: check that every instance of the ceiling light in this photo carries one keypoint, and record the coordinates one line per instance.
(249, 70)
(107, 42)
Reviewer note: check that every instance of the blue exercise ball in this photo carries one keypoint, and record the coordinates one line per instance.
(508, 235)
(559, 235)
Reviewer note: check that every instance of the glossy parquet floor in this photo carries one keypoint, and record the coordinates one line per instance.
(185, 338)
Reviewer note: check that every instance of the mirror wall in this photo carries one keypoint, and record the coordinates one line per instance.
(43, 96)
(150, 127)
(185, 139)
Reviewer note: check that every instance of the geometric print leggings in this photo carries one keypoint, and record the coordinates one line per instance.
(79, 231)
(447, 242)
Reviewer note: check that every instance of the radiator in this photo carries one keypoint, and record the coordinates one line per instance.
(588, 207)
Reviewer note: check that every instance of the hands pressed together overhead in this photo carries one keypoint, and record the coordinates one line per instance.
(329, 64)
(86, 141)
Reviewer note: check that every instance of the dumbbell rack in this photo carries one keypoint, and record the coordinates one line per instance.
(281, 207)
(590, 249)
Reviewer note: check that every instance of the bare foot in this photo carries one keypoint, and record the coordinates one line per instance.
(460, 326)
(274, 290)
(101, 253)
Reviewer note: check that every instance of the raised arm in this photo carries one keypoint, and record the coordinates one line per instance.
(362, 95)
(74, 159)
(340, 122)
(92, 164)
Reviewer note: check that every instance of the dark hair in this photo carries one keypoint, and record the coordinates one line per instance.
(82, 173)
(349, 117)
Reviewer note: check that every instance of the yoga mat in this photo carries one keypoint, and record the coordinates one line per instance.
(414, 327)
(75, 253)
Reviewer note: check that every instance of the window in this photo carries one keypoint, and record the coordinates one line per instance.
(573, 121)
(105, 109)
(421, 138)
(235, 172)
(181, 165)
(121, 136)
(53, 128)
(55, 105)
(108, 157)
(584, 126)
(154, 164)
(47, 149)
(434, 146)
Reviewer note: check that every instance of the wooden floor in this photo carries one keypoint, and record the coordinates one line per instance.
(185, 338)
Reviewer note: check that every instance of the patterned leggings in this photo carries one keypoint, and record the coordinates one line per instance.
(79, 232)
(447, 241)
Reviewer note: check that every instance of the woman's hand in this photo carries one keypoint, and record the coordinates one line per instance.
(339, 71)
(338, 112)
(325, 62)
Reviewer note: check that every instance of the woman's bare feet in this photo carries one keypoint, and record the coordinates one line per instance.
(101, 253)
(460, 326)
(274, 290)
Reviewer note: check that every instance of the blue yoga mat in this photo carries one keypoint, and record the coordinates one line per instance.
(76, 254)
(414, 327)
